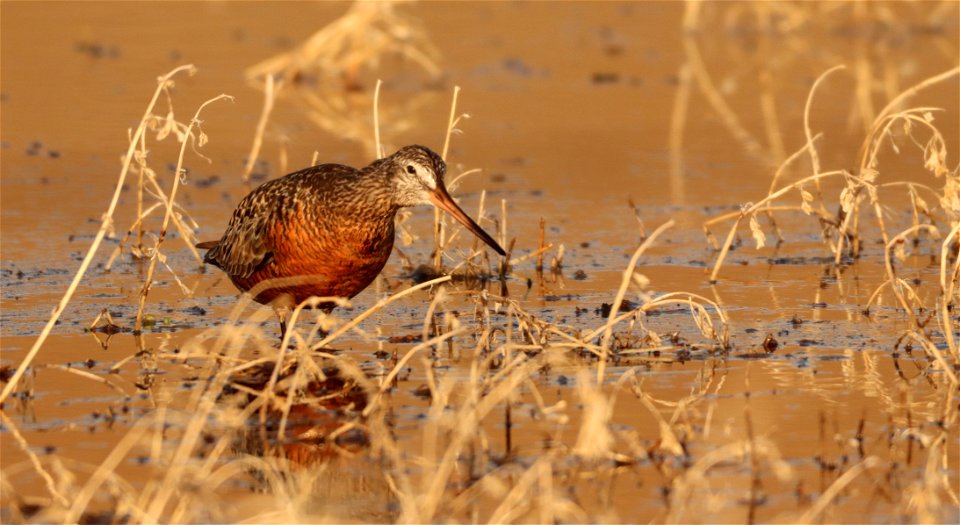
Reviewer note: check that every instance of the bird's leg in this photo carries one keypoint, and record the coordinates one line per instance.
(326, 311)
(282, 313)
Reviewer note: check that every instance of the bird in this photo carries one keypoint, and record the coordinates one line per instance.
(328, 230)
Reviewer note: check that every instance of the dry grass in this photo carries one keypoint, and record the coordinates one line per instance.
(136, 152)
(862, 189)
(351, 47)
(509, 348)
(274, 420)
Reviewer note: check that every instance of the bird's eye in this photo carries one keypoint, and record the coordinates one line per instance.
(410, 169)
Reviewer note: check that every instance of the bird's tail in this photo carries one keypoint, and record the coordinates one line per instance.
(211, 256)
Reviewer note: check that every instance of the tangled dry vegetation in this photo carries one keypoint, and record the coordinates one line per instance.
(261, 413)
(353, 47)
(275, 419)
(199, 441)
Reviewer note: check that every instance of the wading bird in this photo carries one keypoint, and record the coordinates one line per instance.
(327, 230)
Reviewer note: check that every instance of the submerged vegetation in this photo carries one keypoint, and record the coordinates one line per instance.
(519, 417)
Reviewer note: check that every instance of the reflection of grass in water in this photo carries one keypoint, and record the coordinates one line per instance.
(460, 464)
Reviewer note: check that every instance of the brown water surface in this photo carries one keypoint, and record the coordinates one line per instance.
(576, 110)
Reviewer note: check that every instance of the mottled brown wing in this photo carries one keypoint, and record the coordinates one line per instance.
(245, 246)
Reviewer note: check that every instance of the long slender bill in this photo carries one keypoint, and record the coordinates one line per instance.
(441, 199)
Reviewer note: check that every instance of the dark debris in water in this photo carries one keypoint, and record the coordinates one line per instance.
(519, 67)
(605, 77)
(32, 274)
(426, 272)
(565, 297)
(801, 260)
(423, 273)
(195, 310)
(752, 355)
(832, 358)
(770, 344)
(604, 310)
(206, 182)
(31, 510)
(423, 392)
(109, 329)
(97, 49)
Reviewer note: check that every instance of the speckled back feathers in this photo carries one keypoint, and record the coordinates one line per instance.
(329, 221)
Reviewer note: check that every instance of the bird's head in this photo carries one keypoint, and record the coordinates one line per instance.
(418, 173)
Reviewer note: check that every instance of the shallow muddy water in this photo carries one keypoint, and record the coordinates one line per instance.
(605, 120)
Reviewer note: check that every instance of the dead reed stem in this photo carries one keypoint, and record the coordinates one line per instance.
(694, 481)
(387, 382)
(185, 230)
(618, 300)
(105, 471)
(269, 95)
(178, 174)
(947, 296)
(541, 248)
(138, 224)
(920, 86)
(202, 404)
(837, 487)
(24, 446)
(814, 156)
(105, 226)
(748, 211)
(380, 304)
(768, 107)
(438, 222)
(869, 150)
(899, 239)
(513, 374)
(378, 146)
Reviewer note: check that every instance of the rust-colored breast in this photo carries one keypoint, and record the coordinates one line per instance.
(320, 254)
(324, 231)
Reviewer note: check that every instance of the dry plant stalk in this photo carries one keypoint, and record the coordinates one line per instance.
(861, 188)
(270, 90)
(106, 225)
(438, 219)
(621, 292)
(459, 461)
(186, 138)
(856, 185)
